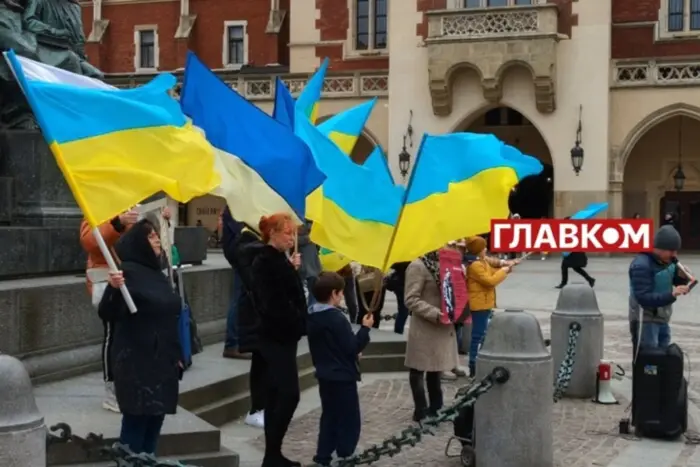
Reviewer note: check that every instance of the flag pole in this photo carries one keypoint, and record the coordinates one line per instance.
(113, 268)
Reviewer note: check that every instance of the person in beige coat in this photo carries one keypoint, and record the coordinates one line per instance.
(432, 346)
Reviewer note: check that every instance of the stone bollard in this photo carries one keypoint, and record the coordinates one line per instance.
(513, 421)
(22, 429)
(577, 303)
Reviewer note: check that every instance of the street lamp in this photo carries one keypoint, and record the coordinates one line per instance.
(577, 150)
(404, 160)
(679, 178)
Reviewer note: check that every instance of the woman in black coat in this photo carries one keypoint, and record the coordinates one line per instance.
(279, 300)
(145, 354)
(577, 262)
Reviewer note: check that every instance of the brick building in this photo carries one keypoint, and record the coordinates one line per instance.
(531, 71)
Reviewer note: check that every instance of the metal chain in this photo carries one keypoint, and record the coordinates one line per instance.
(95, 447)
(414, 434)
(566, 369)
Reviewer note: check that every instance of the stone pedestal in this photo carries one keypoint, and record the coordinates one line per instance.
(578, 303)
(39, 219)
(22, 429)
(513, 421)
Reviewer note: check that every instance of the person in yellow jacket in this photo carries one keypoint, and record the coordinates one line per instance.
(482, 279)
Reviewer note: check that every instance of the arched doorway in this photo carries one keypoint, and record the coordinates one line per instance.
(364, 146)
(533, 197)
(649, 187)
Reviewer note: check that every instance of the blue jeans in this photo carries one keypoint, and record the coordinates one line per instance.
(402, 313)
(232, 317)
(458, 331)
(480, 322)
(141, 432)
(655, 335)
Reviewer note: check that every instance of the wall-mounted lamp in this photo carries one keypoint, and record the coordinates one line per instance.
(404, 155)
(577, 150)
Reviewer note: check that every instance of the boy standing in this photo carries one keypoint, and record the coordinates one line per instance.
(335, 351)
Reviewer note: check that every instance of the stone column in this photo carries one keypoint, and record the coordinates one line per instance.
(578, 303)
(22, 429)
(513, 421)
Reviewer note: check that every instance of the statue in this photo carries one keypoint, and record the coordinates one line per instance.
(49, 31)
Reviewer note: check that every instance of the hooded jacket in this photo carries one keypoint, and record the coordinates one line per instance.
(310, 262)
(146, 347)
(333, 345)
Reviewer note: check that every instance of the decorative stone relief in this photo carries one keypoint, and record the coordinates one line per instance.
(490, 41)
(652, 73)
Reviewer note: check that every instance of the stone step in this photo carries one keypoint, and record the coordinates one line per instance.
(222, 458)
(231, 408)
(385, 363)
(183, 433)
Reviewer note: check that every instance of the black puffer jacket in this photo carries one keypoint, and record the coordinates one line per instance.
(146, 348)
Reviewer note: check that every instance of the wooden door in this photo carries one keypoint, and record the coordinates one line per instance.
(686, 207)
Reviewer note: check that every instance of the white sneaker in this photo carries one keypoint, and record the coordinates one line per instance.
(110, 400)
(256, 419)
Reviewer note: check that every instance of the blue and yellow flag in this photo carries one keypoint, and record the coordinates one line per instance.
(265, 168)
(377, 163)
(284, 105)
(307, 102)
(459, 183)
(359, 211)
(332, 261)
(345, 128)
(116, 147)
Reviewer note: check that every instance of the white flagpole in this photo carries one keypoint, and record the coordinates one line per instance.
(113, 268)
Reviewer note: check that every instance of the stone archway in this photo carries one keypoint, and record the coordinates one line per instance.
(534, 196)
(364, 146)
(648, 161)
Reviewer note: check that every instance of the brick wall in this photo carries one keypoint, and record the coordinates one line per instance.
(637, 41)
(116, 52)
(333, 24)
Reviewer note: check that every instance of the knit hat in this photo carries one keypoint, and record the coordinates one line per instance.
(667, 238)
(476, 245)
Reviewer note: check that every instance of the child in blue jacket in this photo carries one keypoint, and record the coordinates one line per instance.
(335, 351)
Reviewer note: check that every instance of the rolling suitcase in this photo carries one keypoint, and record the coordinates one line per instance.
(660, 393)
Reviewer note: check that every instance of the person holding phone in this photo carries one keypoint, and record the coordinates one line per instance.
(656, 282)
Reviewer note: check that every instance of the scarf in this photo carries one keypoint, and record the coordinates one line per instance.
(432, 263)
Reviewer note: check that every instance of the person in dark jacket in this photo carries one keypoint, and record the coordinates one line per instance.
(395, 282)
(246, 247)
(146, 354)
(310, 261)
(279, 299)
(335, 350)
(231, 230)
(576, 261)
(655, 283)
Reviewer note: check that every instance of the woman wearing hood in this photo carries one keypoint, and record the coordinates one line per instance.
(431, 348)
(146, 350)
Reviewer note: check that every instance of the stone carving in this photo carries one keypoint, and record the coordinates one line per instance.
(488, 24)
(50, 31)
(656, 74)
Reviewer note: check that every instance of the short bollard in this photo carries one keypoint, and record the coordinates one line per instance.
(513, 421)
(22, 429)
(577, 303)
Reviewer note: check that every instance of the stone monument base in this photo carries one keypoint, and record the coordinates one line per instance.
(38, 251)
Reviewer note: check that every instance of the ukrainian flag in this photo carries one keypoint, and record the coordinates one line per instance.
(264, 167)
(116, 147)
(345, 128)
(283, 111)
(332, 261)
(376, 162)
(307, 102)
(358, 210)
(459, 183)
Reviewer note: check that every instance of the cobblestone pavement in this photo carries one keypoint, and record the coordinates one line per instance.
(580, 429)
